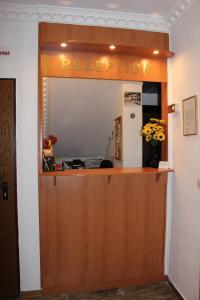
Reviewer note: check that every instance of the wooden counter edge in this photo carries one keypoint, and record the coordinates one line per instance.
(110, 171)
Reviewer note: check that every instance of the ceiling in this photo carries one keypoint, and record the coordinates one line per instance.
(149, 7)
(151, 15)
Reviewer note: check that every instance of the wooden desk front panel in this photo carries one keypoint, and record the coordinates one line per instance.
(101, 231)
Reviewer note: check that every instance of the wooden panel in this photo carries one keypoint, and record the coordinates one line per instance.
(104, 48)
(165, 117)
(91, 65)
(40, 115)
(52, 33)
(102, 65)
(9, 256)
(100, 231)
(101, 171)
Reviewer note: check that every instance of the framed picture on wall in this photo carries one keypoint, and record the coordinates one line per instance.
(190, 116)
(132, 98)
(118, 138)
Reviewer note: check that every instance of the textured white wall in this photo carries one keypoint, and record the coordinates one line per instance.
(22, 39)
(184, 258)
(81, 114)
(132, 140)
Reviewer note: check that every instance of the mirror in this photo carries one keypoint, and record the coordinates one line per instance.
(81, 114)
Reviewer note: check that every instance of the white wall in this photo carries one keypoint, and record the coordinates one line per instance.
(22, 39)
(131, 138)
(185, 225)
(82, 118)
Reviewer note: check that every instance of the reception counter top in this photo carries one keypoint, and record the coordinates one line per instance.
(110, 171)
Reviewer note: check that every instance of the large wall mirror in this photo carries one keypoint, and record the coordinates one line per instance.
(81, 114)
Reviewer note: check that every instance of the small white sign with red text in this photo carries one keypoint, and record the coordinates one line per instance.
(5, 52)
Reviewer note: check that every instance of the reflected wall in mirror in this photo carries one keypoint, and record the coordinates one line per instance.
(81, 114)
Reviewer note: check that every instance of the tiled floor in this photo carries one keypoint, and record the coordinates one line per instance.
(160, 291)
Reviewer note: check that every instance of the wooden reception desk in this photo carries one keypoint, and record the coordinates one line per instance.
(102, 228)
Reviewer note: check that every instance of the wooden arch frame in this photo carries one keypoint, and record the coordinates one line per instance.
(134, 45)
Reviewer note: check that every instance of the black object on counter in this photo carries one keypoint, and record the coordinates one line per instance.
(106, 164)
(78, 164)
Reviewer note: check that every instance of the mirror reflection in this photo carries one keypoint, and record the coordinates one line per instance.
(80, 113)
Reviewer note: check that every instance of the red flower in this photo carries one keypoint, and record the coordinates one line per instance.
(49, 141)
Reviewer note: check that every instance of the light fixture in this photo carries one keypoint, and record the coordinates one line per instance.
(112, 5)
(65, 2)
(63, 45)
(112, 47)
(156, 52)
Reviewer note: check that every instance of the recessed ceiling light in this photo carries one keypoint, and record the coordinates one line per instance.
(112, 5)
(63, 45)
(155, 14)
(156, 52)
(65, 2)
(112, 47)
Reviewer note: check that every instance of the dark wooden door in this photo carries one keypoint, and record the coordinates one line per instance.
(9, 256)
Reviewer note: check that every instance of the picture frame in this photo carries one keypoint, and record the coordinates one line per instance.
(132, 98)
(118, 138)
(189, 106)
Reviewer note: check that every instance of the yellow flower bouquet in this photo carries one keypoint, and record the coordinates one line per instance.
(154, 131)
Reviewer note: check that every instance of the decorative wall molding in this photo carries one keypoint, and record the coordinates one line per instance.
(69, 15)
(178, 11)
(80, 16)
(45, 106)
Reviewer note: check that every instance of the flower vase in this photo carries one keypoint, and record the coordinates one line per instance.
(155, 157)
(48, 152)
